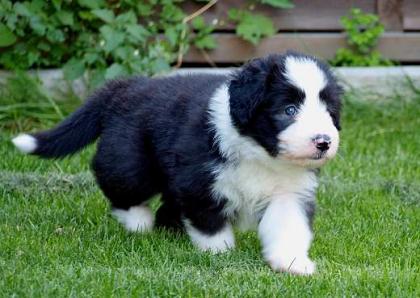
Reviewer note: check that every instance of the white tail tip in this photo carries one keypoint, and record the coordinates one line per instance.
(25, 143)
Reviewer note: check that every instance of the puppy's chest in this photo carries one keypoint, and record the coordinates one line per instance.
(249, 187)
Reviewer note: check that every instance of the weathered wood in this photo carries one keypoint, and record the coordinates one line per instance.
(306, 15)
(390, 14)
(402, 47)
(411, 12)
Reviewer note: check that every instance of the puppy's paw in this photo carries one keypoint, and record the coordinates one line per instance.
(294, 265)
(136, 219)
(219, 242)
(217, 246)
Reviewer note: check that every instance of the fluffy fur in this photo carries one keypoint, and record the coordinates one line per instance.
(240, 149)
(25, 143)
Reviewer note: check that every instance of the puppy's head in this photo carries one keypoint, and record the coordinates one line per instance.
(289, 104)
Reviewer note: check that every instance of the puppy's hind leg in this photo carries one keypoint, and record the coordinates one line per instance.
(169, 214)
(136, 218)
(127, 180)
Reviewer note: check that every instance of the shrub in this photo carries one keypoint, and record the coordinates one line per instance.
(104, 36)
(105, 39)
(362, 32)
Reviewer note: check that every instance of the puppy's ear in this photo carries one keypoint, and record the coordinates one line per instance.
(247, 89)
(337, 120)
(336, 106)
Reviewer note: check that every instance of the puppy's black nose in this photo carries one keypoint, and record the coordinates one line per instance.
(322, 142)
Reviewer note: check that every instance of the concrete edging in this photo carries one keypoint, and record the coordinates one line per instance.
(376, 81)
(373, 81)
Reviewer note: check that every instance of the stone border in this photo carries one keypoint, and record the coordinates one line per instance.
(375, 81)
(372, 81)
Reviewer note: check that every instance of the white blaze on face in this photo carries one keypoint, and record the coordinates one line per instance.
(312, 118)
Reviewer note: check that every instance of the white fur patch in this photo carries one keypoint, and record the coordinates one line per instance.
(219, 242)
(312, 118)
(232, 145)
(305, 74)
(136, 219)
(250, 186)
(25, 143)
(286, 237)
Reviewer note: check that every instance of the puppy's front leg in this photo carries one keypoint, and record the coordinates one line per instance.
(286, 236)
(209, 230)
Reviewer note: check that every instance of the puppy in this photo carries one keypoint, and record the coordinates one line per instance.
(222, 150)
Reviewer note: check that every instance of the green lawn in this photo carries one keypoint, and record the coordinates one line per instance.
(58, 239)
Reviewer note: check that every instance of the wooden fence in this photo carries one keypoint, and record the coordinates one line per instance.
(313, 26)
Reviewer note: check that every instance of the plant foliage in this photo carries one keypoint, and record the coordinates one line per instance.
(253, 27)
(101, 39)
(362, 32)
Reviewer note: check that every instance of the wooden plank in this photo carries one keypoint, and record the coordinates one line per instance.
(411, 12)
(306, 15)
(390, 13)
(402, 47)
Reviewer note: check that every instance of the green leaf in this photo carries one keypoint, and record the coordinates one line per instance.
(38, 26)
(96, 78)
(92, 4)
(128, 17)
(115, 70)
(73, 69)
(57, 4)
(91, 58)
(112, 37)
(44, 46)
(144, 9)
(172, 35)
(105, 15)
(252, 27)
(279, 3)
(86, 15)
(234, 14)
(55, 35)
(22, 9)
(159, 65)
(206, 42)
(198, 23)
(171, 12)
(65, 17)
(7, 38)
(138, 32)
(124, 52)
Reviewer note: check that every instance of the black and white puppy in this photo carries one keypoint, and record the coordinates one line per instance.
(239, 149)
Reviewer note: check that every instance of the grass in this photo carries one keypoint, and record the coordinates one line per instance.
(58, 239)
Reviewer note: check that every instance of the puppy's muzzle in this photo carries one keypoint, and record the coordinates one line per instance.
(322, 142)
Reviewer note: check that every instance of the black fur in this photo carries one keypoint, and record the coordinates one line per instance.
(310, 208)
(155, 136)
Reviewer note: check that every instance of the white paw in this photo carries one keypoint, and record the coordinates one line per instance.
(295, 265)
(216, 243)
(136, 219)
(215, 248)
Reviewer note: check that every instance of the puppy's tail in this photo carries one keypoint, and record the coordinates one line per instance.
(77, 131)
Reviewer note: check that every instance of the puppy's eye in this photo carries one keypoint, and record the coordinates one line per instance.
(291, 110)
